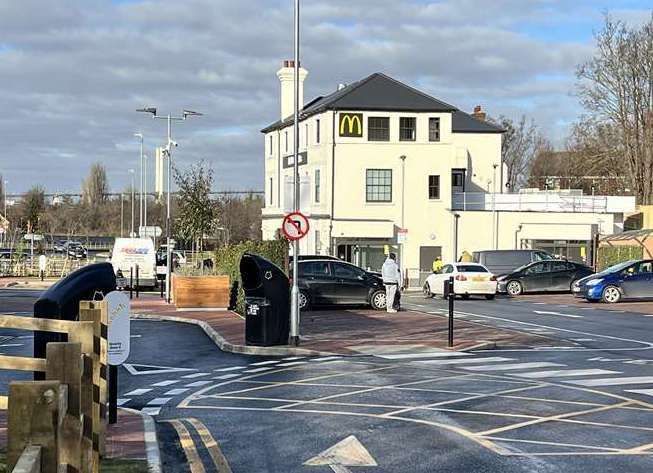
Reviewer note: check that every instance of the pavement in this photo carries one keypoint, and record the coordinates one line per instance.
(26, 283)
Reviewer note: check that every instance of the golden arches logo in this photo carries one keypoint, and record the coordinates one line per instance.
(351, 124)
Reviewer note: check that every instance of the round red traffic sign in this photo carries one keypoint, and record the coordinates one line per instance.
(295, 226)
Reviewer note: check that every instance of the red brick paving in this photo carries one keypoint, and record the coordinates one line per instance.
(339, 331)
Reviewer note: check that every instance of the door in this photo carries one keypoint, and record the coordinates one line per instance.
(637, 280)
(537, 277)
(317, 278)
(349, 284)
(561, 275)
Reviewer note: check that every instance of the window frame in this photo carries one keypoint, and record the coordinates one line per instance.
(431, 186)
(271, 140)
(376, 185)
(271, 190)
(378, 129)
(317, 186)
(317, 131)
(437, 131)
(413, 129)
(286, 139)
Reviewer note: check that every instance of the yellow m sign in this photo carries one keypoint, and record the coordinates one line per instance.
(351, 124)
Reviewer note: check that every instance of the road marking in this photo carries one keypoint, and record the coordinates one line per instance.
(563, 373)
(232, 368)
(138, 392)
(166, 383)
(255, 370)
(546, 312)
(227, 376)
(263, 363)
(176, 392)
(153, 411)
(195, 375)
(159, 401)
(583, 340)
(197, 384)
(121, 401)
(186, 441)
(152, 369)
(465, 360)
(293, 358)
(647, 392)
(327, 358)
(613, 381)
(347, 452)
(135, 336)
(294, 363)
(648, 315)
(219, 460)
(433, 354)
(513, 366)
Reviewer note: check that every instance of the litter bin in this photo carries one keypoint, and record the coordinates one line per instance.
(267, 301)
(61, 301)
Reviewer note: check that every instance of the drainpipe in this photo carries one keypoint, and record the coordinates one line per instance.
(456, 216)
(403, 211)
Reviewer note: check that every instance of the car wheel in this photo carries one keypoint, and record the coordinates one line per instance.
(426, 290)
(611, 295)
(489, 297)
(514, 288)
(465, 296)
(378, 300)
(304, 301)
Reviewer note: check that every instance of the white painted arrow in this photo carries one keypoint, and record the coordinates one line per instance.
(347, 452)
(544, 312)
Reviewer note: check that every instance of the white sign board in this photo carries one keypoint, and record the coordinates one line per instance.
(119, 329)
(150, 231)
(402, 235)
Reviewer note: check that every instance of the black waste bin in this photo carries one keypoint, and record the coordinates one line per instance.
(267, 301)
(61, 301)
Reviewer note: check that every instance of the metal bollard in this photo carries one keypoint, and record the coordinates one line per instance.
(131, 282)
(452, 296)
(137, 282)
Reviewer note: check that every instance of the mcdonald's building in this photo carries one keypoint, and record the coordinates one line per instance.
(386, 167)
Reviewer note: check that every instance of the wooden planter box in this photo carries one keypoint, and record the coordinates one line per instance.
(190, 292)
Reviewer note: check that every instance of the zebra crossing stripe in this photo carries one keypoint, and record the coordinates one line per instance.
(613, 381)
(255, 370)
(513, 366)
(227, 376)
(195, 375)
(465, 360)
(231, 368)
(168, 382)
(138, 392)
(153, 411)
(428, 354)
(647, 392)
(159, 401)
(563, 373)
(176, 392)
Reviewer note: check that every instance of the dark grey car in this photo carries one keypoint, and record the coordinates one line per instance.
(505, 261)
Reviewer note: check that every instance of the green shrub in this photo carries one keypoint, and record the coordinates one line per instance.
(227, 261)
(611, 255)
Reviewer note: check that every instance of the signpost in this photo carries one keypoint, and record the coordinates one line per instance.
(295, 226)
(118, 341)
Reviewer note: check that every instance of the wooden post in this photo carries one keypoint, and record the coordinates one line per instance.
(36, 410)
(90, 461)
(29, 461)
(64, 363)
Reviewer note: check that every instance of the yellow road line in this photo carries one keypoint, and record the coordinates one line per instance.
(188, 445)
(219, 460)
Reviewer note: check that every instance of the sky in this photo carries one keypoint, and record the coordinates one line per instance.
(73, 72)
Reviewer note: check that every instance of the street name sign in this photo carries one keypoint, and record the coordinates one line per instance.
(119, 327)
(295, 226)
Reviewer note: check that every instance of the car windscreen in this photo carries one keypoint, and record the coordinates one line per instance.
(471, 268)
(617, 267)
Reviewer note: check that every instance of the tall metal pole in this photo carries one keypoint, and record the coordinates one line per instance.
(132, 230)
(294, 309)
(122, 215)
(403, 210)
(168, 222)
(140, 210)
(494, 208)
(145, 192)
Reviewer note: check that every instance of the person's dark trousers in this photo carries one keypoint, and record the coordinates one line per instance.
(42, 274)
(396, 304)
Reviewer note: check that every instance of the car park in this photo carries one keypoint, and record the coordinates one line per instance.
(470, 279)
(325, 281)
(630, 280)
(543, 276)
(506, 261)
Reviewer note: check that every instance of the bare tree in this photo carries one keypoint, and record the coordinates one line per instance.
(96, 186)
(521, 143)
(616, 85)
(196, 211)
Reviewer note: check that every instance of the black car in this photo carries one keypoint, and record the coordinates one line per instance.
(551, 275)
(327, 282)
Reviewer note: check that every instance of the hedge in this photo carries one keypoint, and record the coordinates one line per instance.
(611, 255)
(227, 261)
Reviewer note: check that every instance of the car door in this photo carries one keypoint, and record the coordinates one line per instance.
(316, 277)
(350, 284)
(561, 275)
(636, 282)
(537, 277)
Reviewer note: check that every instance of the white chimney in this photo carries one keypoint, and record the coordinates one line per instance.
(286, 76)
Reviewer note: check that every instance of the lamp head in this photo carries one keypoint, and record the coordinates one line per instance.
(151, 110)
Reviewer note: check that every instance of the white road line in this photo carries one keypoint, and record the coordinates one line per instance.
(432, 354)
(195, 375)
(563, 373)
(613, 381)
(294, 363)
(465, 360)
(648, 315)
(232, 368)
(583, 340)
(121, 401)
(292, 358)
(513, 366)
(546, 312)
(7, 345)
(326, 358)
(263, 363)
(197, 384)
(159, 401)
(138, 392)
(227, 376)
(166, 383)
(177, 391)
(648, 392)
(256, 370)
(153, 411)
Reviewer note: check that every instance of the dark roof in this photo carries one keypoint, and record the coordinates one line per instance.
(380, 92)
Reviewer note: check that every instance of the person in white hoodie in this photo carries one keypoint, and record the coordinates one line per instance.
(391, 275)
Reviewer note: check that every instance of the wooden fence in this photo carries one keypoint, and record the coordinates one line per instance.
(59, 424)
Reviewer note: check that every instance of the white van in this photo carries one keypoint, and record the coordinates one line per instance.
(129, 253)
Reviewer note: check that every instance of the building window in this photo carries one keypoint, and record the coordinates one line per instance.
(434, 187)
(317, 186)
(434, 129)
(271, 146)
(317, 131)
(378, 185)
(286, 140)
(306, 135)
(378, 129)
(271, 190)
(407, 128)
(458, 180)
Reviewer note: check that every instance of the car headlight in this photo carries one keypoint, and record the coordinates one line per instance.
(594, 282)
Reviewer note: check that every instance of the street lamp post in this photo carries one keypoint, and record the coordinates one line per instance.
(4, 187)
(122, 215)
(494, 208)
(145, 191)
(140, 208)
(131, 234)
(168, 153)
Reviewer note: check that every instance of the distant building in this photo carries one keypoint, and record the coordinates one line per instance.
(385, 166)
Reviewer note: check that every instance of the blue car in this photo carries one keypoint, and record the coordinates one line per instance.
(628, 280)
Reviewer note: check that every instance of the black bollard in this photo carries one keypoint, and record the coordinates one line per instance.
(452, 295)
(131, 282)
(137, 282)
(113, 394)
